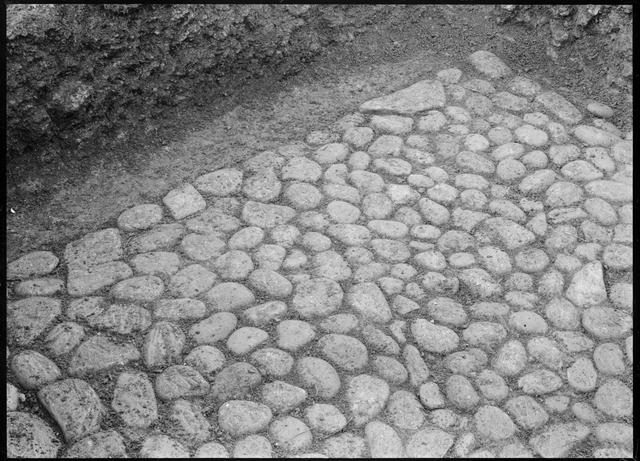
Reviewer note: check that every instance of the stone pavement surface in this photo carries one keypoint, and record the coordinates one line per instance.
(448, 276)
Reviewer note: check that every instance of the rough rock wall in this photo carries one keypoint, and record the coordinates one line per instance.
(76, 70)
(568, 23)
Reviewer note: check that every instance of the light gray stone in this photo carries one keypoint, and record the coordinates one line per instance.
(214, 328)
(489, 64)
(558, 439)
(180, 381)
(134, 400)
(366, 397)
(74, 405)
(434, 338)
(100, 353)
(614, 398)
(240, 417)
(429, 443)
(28, 436)
(606, 323)
(421, 96)
(493, 423)
(162, 446)
(32, 264)
(317, 297)
(318, 376)
(33, 370)
(229, 296)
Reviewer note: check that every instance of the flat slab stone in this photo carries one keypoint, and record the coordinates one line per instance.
(32, 264)
(28, 318)
(612, 191)
(264, 186)
(75, 406)
(30, 437)
(82, 282)
(240, 417)
(266, 215)
(143, 288)
(122, 318)
(211, 220)
(383, 441)
(559, 107)
(282, 397)
(162, 446)
(99, 353)
(163, 345)
(369, 301)
(140, 217)
(191, 281)
(366, 396)
(134, 400)
(179, 309)
(317, 297)
(33, 370)
(184, 201)
(349, 234)
(236, 381)
(105, 444)
(63, 338)
(593, 136)
(344, 351)
(587, 286)
(421, 96)
(214, 328)
(318, 377)
(606, 323)
(160, 236)
(94, 249)
(511, 234)
(229, 296)
(39, 287)
(558, 440)
(223, 182)
(429, 443)
(344, 445)
(479, 282)
(434, 338)
(180, 381)
(489, 64)
(187, 423)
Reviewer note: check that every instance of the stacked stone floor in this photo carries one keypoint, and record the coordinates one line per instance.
(445, 273)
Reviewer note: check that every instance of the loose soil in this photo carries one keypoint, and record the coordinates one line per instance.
(52, 201)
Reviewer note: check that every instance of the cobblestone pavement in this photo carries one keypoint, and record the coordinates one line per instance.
(449, 276)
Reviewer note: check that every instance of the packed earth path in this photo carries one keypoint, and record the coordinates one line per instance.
(450, 277)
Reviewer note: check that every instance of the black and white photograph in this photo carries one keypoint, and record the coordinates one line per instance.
(328, 230)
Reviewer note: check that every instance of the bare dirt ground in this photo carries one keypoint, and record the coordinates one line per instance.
(50, 203)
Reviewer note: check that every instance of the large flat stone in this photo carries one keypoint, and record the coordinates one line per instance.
(93, 249)
(34, 263)
(82, 282)
(489, 64)
(134, 400)
(266, 215)
(558, 440)
(105, 444)
(74, 405)
(30, 437)
(99, 353)
(421, 96)
(559, 107)
(587, 286)
(29, 317)
(509, 233)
